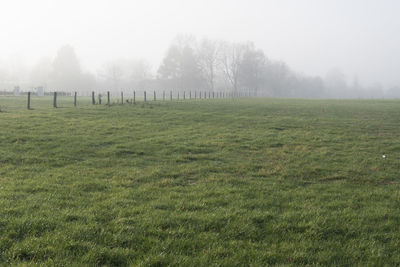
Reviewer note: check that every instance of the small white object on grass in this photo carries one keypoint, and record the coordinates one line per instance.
(384, 156)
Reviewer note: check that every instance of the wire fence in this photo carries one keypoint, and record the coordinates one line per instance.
(108, 98)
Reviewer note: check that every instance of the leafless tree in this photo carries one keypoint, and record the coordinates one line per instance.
(230, 58)
(208, 58)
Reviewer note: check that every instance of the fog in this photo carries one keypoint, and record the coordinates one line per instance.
(285, 48)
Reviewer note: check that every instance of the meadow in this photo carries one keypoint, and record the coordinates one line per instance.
(216, 182)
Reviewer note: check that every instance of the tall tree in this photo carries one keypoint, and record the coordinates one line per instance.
(66, 74)
(208, 53)
(252, 69)
(231, 59)
(180, 67)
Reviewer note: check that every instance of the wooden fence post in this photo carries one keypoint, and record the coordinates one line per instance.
(155, 96)
(134, 97)
(55, 100)
(144, 96)
(108, 98)
(99, 99)
(184, 95)
(93, 100)
(170, 95)
(29, 100)
(163, 95)
(75, 95)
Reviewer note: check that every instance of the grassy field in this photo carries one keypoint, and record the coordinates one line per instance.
(211, 182)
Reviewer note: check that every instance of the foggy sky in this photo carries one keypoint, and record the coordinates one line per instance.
(360, 37)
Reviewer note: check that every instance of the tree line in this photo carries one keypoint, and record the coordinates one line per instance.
(190, 64)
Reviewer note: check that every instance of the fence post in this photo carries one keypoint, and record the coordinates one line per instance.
(144, 96)
(134, 97)
(99, 99)
(155, 96)
(184, 95)
(29, 100)
(170, 95)
(75, 99)
(122, 98)
(93, 100)
(108, 98)
(55, 100)
(163, 96)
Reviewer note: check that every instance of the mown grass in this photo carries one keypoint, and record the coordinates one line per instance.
(211, 182)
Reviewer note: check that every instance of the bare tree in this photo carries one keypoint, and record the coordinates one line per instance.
(208, 53)
(231, 59)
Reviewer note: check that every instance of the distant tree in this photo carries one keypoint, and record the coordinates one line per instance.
(124, 74)
(191, 77)
(180, 68)
(66, 73)
(252, 69)
(208, 55)
(170, 69)
(231, 58)
(140, 70)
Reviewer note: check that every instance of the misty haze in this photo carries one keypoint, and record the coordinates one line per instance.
(199, 133)
(309, 50)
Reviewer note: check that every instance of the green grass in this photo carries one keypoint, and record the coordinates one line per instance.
(200, 183)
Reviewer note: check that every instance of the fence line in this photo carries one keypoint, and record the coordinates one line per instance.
(133, 100)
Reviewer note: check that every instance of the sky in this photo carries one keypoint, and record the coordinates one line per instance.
(359, 37)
